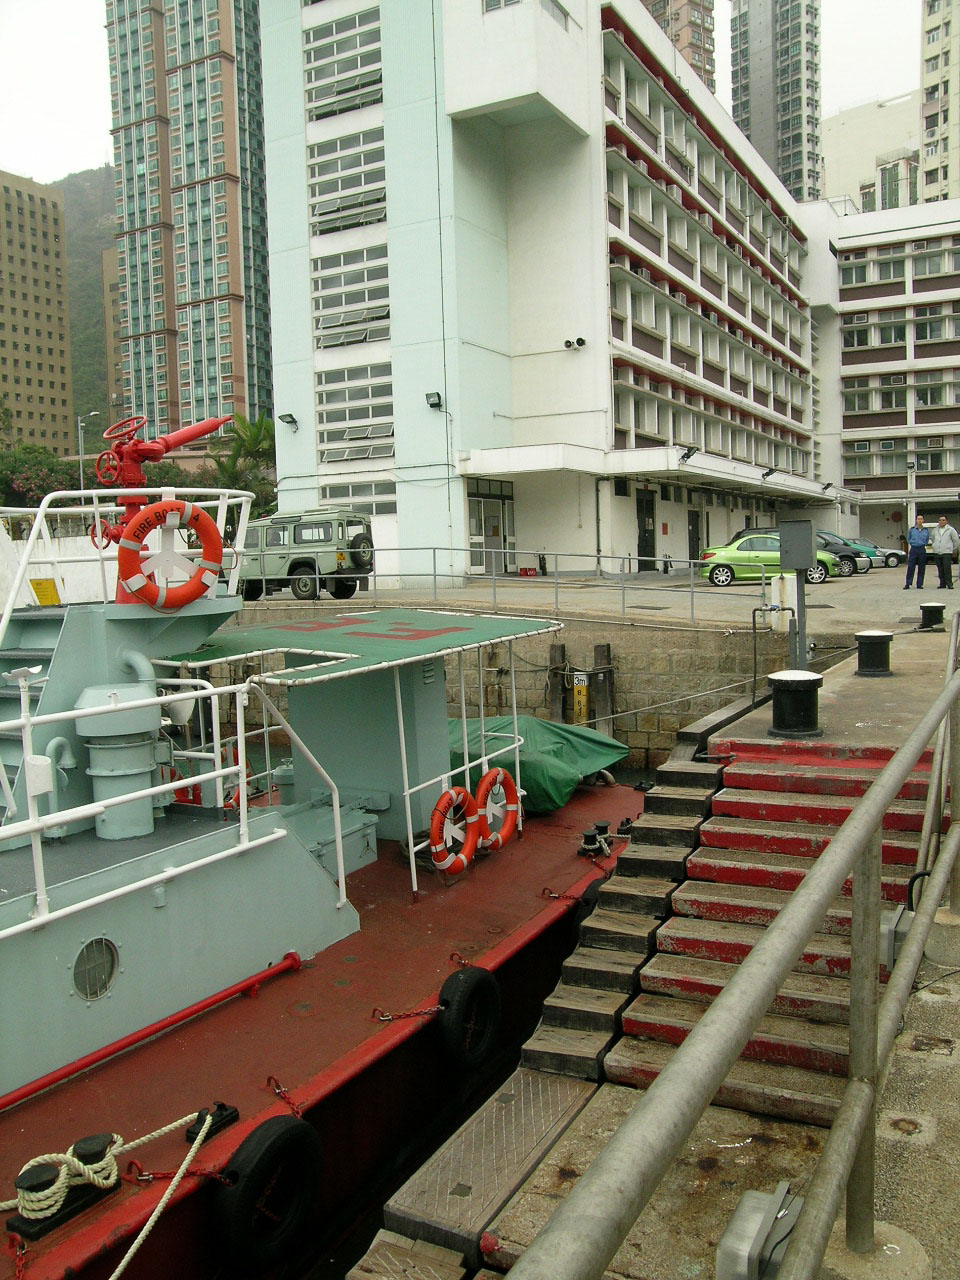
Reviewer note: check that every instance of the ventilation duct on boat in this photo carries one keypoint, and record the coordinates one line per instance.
(122, 742)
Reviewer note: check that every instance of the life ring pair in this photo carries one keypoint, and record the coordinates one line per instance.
(457, 805)
(171, 514)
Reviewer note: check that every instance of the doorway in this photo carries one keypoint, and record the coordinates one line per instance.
(493, 541)
(646, 533)
(693, 535)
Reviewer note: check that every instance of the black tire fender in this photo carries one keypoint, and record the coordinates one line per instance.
(470, 1015)
(587, 902)
(277, 1166)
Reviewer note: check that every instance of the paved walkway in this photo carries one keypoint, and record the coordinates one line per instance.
(874, 599)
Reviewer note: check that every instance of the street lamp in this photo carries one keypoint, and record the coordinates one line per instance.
(94, 413)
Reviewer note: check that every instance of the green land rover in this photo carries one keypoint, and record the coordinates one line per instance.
(306, 552)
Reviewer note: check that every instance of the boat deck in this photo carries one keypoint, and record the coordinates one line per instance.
(83, 852)
(314, 1030)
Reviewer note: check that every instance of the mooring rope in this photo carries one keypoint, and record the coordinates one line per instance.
(102, 1173)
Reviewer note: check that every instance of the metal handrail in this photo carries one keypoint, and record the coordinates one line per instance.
(588, 1227)
(936, 788)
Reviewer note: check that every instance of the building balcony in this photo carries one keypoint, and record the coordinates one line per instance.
(517, 64)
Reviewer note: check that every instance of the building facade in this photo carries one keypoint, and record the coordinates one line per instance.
(871, 153)
(775, 67)
(113, 330)
(900, 363)
(35, 378)
(940, 79)
(689, 25)
(519, 312)
(191, 207)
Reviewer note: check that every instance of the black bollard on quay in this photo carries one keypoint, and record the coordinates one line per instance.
(795, 704)
(873, 653)
(931, 615)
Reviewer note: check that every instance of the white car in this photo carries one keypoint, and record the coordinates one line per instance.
(889, 556)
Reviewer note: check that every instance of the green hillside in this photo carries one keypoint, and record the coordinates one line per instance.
(90, 222)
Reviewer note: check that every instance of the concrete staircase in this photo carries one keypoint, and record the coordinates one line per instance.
(767, 826)
(582, 1018)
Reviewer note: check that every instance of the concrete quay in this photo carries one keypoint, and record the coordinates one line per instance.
(918, 1127)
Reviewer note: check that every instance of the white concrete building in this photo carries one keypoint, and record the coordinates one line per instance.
(900, 354)
(871, 153)
(533, 290)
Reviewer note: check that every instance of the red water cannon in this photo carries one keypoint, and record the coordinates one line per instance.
(121, 466)
(122, 463)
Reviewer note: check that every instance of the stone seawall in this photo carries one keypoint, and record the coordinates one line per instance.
(663, 675)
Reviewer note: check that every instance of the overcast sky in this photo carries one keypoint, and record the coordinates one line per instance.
(55, 92)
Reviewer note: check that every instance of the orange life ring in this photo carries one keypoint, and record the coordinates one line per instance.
(233, 802)
(488, 783)
(169, 514)
(459, 859)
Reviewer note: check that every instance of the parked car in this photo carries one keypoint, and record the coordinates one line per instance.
(757, 553)
(306, 552)
(851, 559)
(889, 556)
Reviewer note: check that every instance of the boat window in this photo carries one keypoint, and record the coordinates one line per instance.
(321, 531)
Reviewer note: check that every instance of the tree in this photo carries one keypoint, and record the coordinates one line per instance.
(243, 457)
(29, 472)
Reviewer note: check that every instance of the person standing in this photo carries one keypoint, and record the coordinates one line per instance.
(943, 544)
(917, 539)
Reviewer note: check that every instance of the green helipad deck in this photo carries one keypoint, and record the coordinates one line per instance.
(352, 642)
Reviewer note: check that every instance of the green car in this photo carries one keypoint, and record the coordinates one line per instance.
(753, 554)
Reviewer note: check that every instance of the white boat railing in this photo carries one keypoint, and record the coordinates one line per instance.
(37, 824)
(93, 509)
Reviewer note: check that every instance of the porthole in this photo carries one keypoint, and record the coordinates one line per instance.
(95, 968)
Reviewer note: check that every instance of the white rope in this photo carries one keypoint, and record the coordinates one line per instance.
(174, 1183)
(102, 1173)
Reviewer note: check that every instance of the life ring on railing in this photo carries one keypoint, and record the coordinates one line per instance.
(454, 830)
(489, 809)
(266, 1198)
(172, 514)
(189, 793)
(233, 802)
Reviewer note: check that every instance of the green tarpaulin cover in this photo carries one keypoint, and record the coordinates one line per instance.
(553, 757)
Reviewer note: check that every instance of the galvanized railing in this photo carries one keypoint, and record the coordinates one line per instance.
(552, 576)
(589, 1226)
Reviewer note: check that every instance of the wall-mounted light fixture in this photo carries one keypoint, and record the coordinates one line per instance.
(689, 452)
(290, 420)
(768, 473)
(574, 344)
(911, 466)
(434, 399)
(829, 485)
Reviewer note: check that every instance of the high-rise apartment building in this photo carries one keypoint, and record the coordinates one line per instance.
(539, 292)
(775, 64)
(35, 379)
(940, 58)
(191, 206)
(689, 24)
(113, 330)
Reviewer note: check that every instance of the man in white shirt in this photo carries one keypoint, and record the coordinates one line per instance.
(943, 544)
